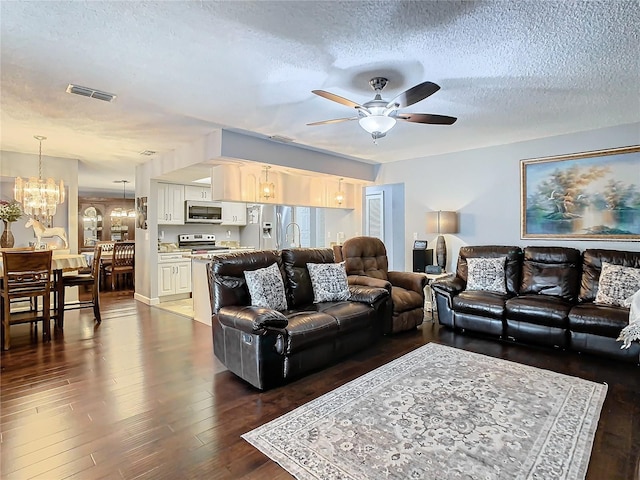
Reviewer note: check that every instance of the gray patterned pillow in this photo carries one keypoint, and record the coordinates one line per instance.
(266, 287)
(329, 281)
(617, 284)
(486, 274)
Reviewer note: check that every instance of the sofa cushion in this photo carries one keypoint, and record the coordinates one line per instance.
(296, 273)
(603, 320)
(512, 265)
(539, 309)
(486, 274)
(592, 260)
(551, 271)
(404, 300)
(266, 287)
(480, 303)
(617, 285)
(329, 281)
(365, 256)
(225, 274)
(349, 316)
(305, 329)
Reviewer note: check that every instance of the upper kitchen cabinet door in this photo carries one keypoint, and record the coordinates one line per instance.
(194, 192)
(234, 213)
(170, 204)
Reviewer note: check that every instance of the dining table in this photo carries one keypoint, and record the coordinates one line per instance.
(60, 263)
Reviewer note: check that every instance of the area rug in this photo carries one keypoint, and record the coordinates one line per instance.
(441, 413)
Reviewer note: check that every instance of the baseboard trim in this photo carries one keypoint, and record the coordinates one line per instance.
(146, 300)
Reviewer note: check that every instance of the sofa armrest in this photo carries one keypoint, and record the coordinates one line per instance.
(369, 282)
(409, 281)
(368, 295)
(452, 286)
(251, 319)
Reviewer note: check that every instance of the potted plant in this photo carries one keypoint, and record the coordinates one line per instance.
(9, 212)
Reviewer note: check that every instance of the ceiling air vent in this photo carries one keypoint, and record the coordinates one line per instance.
(91, 92)
(281, 138)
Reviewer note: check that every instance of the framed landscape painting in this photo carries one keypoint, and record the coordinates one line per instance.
(587, 196)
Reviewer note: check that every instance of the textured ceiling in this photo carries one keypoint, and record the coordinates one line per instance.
(509, 71)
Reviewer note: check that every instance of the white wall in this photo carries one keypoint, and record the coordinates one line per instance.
(483, 185)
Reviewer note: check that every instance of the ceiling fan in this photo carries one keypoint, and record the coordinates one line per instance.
(378, 116)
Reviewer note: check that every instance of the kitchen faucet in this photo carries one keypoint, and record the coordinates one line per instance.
(293, 231)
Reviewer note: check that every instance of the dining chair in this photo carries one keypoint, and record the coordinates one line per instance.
(80, 279)
(25, 274)
(122, 262)
(106, 247)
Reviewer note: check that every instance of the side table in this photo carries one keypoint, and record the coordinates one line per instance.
(429, 300)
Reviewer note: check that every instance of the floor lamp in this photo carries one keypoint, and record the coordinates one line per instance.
(441, 222)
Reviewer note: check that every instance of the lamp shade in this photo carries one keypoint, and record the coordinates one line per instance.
(377, 123)
(442, 222)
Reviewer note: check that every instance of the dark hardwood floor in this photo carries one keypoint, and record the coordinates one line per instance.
(142, 396)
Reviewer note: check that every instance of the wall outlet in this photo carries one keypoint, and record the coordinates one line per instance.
(415, 235)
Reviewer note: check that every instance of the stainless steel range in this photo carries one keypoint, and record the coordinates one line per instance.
(199, 242)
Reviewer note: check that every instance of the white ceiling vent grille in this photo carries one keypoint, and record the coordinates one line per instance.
(281, 138)
(91, 92)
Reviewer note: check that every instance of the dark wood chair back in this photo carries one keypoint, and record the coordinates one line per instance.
(90, 279)
(123, 255)
(122, 261)
(25, 274)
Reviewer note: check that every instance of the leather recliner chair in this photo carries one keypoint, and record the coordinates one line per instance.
(366, 264)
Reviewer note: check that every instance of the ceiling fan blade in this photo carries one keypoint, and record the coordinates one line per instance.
(336, 98)
(335, 120)
(415, 94)
(427, 118)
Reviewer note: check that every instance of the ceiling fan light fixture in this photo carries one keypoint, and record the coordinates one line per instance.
(377, 125)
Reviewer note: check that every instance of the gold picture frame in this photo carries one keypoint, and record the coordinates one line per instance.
(582, 196)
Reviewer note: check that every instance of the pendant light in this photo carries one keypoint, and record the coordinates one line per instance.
(340, 194)
(119, 212)
(39, 198)
(267, 189)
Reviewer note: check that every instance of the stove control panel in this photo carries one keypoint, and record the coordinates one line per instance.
(197, 237)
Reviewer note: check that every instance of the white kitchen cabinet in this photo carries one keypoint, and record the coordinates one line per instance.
(234, 213)
(170, 204)
(174, 276)
(195, 192)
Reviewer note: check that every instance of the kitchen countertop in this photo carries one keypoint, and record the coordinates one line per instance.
(207, 256)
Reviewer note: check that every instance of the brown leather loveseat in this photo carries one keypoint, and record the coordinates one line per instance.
(268, 347)
(548, 299)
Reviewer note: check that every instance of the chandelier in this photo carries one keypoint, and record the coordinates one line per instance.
(123, 212)
(267, 189)
(39, 198)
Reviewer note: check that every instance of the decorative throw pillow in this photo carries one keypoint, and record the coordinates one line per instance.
(329, 281)
(266, 287)
(486, 274)
(617, 284)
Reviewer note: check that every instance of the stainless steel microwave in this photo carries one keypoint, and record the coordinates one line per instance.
(202, 212)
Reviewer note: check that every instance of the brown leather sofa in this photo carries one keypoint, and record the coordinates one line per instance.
(367, 264)
(549, 300)
(266, 347)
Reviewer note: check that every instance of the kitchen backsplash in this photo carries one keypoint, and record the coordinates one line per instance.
(169, 233)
